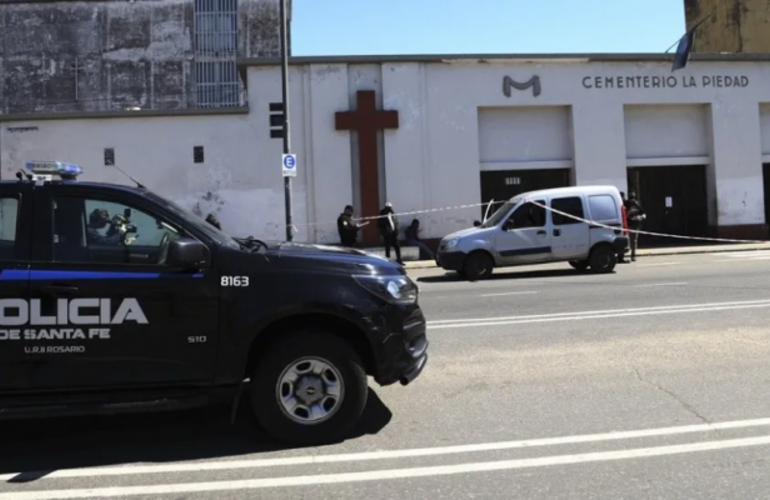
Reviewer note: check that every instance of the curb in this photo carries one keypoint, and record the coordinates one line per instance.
(429, 264)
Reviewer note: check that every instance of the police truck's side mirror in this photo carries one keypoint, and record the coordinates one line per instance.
(186, 253)
(476, 223)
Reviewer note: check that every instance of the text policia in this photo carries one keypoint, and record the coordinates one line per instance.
(70, 319)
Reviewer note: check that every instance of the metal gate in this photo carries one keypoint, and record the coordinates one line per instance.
(675, 199)
(503, 185)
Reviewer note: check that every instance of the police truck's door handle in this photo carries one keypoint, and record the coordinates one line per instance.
(541, 233)
(62, 289)
(557, 232)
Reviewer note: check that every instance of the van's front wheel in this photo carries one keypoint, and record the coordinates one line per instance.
(309, 389)
(478, 265)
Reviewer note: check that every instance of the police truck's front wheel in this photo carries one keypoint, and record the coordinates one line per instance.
(309, 389)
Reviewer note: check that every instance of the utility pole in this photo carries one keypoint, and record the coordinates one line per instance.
(286, 138)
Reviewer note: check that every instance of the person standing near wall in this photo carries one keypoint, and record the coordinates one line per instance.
(388, 226)
(622, 253)
(635, 217)
(347, 228)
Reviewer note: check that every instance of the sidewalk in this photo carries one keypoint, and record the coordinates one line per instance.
(651, 252)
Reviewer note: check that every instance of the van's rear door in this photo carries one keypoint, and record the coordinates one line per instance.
(570, 237)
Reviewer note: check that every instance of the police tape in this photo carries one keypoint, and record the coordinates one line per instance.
(648, 233)
(565, 214)
(402, 214)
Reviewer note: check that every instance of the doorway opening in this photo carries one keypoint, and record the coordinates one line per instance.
(503, 185)
(675, 199)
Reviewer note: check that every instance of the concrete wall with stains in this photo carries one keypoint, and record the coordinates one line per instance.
(734, 25)
(96, 55)
(240, 178)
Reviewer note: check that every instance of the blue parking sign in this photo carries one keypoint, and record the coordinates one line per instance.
(289, 165)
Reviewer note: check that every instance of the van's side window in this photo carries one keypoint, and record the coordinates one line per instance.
(572, 205)
(602, 207)
(528, 215)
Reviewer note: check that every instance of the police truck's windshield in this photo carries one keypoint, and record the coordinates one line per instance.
(189, 216)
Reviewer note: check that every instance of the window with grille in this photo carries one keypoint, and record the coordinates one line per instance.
(216, 47)
(216, 27)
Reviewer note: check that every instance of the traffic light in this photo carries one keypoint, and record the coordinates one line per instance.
(276, 120)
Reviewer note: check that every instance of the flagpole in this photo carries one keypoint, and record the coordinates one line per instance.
(691, 30)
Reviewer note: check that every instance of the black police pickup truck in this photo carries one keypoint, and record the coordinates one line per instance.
(114, 299)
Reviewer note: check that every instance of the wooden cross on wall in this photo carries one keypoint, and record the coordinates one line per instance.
(367, 121)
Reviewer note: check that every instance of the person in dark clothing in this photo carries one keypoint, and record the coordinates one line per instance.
(213, 220)
(636, 215)
(622, 253)
(388, 226)
(99, 219)
(347, 228)
(412, 234)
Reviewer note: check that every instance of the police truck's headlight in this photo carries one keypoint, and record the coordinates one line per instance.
(394, 289)
(451, 243)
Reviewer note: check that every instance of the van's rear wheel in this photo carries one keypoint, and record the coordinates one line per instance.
(309, 389)
(602, 259)
(580, 265)
(478, 266)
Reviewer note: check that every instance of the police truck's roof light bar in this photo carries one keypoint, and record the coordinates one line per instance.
(47, 170)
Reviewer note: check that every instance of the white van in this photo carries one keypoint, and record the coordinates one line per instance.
(521, 232)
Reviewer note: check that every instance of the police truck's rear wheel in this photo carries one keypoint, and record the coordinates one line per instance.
(603, 259)
(309, 389)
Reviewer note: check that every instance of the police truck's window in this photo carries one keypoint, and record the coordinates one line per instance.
(9, 208)
(572, 206)
(87, 230)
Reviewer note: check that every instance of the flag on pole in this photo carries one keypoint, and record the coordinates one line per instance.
(683, 50)
(685, 46)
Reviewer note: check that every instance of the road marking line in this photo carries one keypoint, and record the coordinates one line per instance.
(379, 475)
(660, 284)
(601, 311)
(741, 260)
(125, 470)
(507, 293)
(598, 316)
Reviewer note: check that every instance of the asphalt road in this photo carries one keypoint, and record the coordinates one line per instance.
(543, 383)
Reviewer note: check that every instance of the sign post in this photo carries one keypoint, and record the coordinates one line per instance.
(286, 138)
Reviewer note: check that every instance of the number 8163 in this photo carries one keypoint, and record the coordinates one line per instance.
(235, 281)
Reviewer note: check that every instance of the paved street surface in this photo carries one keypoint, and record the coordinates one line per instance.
(543, 383)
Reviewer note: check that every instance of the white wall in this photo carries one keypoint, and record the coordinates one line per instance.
(523, 135)
(406, 154)
(666, 131)
(237, 179)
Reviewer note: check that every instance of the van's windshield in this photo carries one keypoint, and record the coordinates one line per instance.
(499, 214)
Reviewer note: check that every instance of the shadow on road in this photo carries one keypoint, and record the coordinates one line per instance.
(44, 446)
(507, 275)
